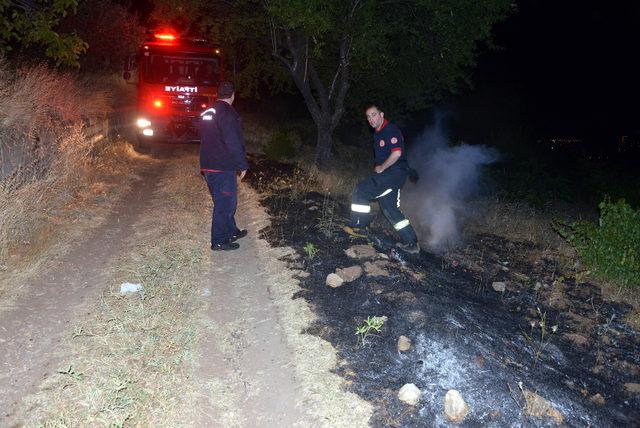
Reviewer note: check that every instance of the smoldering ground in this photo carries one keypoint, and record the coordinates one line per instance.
(496, 348)
(448, 177)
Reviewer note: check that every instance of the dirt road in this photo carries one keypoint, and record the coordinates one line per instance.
(211, 339)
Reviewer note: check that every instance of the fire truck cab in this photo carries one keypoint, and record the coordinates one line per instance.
(177, 80)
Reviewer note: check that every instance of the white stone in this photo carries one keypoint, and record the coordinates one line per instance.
(455, 408)
(499, 286)
(404, 344)
(334, 281)
(409, 394)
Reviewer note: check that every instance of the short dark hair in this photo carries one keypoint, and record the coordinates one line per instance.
(371, 105)
(225, 90)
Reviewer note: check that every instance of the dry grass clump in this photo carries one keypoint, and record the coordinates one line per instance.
(348, 166)
(45, 153)
(516, 221)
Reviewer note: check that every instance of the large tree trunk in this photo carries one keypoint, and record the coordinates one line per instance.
(323, 145)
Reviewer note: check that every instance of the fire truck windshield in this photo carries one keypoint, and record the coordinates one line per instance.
(181, 69)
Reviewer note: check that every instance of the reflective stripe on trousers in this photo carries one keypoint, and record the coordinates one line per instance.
(401, 224)
(361, 208)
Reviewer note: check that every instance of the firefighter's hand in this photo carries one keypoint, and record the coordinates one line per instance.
(379, 169)
(242, 174)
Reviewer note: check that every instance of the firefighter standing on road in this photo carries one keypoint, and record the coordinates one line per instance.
(391, 169)
(222, 156)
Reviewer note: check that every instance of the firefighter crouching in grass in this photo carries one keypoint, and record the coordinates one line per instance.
(222, 156)
(391, 170)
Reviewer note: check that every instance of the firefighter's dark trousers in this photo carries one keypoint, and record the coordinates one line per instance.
(385, 188)
(224, 192)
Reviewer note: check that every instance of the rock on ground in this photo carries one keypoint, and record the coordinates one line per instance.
(598, 399)
(409, 394)
(633, 388)
(334, 281)
(361, 252)
(578, 339)
(349, 274)
(540, 408)
(499, 286)
(376, 268)
(404, 344)
(455, 408)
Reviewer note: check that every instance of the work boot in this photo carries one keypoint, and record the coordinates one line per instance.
(241, 233)
(225, 246)
(412, 248)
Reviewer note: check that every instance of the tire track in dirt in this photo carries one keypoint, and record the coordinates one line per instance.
(257, 366)
(32, 328)
(245, 348)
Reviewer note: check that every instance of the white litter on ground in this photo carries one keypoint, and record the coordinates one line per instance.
(128, 287)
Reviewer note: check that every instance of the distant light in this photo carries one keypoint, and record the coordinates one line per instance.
(158, 103)
(203, 105)
(217, 51)
(143, 123)
(148, 132)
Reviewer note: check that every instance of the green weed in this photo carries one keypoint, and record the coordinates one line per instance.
(370, 326)
(611, 248)
(311, 250)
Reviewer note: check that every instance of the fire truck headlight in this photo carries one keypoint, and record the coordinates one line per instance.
(147, 132)
(143, 123)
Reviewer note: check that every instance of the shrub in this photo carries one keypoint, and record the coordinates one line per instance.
(611, 249)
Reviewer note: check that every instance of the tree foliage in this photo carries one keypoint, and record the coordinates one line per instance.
(110, 31)
(32, 23)
(338, 53)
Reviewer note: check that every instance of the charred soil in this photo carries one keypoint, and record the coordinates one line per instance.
(496, 320)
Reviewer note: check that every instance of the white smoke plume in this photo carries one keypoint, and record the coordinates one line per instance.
(435, 204)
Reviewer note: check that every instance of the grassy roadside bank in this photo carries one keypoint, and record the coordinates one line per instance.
(127, 361)
(54, 229)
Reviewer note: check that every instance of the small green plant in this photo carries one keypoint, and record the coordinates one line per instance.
(311, 250)
(610, 249)
(544, 335)
(370, 326)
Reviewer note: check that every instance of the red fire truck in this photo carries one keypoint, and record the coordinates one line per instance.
(177, 80)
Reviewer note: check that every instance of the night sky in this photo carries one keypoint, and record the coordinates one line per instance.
(571, 65)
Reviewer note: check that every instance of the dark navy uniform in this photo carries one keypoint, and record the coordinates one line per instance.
(222, 153)
(385, 186)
